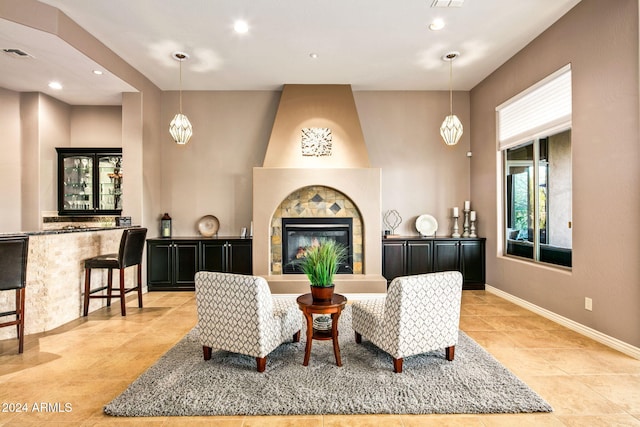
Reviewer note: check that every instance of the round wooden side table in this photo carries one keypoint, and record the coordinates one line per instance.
(334, 308)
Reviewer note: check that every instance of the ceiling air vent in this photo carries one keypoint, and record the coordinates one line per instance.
(447, 3)
(17, 53)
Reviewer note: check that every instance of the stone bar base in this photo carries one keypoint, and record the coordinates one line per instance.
(55, 278)
(345, 284)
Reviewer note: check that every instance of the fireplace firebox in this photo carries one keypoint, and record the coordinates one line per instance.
(298, 234)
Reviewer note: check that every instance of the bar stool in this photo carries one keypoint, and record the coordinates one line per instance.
(13, 276)
(130, 254)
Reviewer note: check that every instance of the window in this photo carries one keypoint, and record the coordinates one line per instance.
(535, 141)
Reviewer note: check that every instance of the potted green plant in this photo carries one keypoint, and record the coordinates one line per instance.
(320, 264)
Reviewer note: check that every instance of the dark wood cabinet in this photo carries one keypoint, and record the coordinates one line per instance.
(472, 259)
(89, 181)
(227, 256)
(446, 255)
(173, 262)
(419, 256)
(394, 259)
(415, 255)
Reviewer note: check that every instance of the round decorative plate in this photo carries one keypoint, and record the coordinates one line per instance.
(426, 225)
(208, 225)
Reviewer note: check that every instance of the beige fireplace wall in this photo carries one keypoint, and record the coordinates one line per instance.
(212, 175)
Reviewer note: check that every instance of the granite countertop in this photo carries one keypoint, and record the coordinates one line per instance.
(67, 229)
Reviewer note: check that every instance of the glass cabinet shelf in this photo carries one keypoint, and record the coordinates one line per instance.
(89, 181)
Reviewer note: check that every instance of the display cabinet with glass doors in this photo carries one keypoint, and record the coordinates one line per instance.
(89, 181)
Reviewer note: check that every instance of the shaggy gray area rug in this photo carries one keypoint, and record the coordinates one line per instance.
(182, 383)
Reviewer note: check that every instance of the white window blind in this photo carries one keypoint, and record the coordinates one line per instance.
(544, 107)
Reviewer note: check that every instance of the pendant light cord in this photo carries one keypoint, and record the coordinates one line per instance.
(451, 87)
(180, 86)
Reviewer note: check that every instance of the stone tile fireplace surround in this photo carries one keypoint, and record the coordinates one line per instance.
(315, 202)
(287, 183)
(271, 186)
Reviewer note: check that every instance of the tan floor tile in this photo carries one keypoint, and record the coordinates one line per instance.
(515, 323)
(492, 339)
(522, 420)
(525, 362)
(442, 420)
(362, 421)
(623, 390)
(205, 421)
(592, 421)
(495, 310)
(543, 339)
(568, 395)
(285, 421)
(123, 421)
(475, 323)
(589, 361)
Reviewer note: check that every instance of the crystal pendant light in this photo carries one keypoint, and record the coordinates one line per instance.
(180, 127)
(451, 129)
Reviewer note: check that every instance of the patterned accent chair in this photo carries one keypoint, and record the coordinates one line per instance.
(420, 313)
(237, 313)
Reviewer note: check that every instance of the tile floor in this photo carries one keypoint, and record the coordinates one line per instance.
(65, 376)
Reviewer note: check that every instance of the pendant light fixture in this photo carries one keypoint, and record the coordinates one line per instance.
(451, 129)
(180, 127)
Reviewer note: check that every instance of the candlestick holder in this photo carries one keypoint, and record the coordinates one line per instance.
(455, 227)
(473, 229)
(465, 226)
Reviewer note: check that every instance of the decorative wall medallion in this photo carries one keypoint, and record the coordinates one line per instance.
(316, 142)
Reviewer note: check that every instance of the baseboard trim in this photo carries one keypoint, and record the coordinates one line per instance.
(614, 343)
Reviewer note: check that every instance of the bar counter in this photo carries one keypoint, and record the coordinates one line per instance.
(55, 275)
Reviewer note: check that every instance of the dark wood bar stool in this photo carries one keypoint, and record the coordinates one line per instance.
(130, 254)
(13, 276)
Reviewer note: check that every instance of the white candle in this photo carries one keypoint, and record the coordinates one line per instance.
(467, 205)
(455, 212)
(473, 215)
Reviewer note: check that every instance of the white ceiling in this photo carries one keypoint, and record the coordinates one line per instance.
(370, 44)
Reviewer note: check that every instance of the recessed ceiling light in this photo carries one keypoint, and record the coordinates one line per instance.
(55, 85)
(450, 56)
(241, 26)
(313, 55)
(436, 25)
(97, 72)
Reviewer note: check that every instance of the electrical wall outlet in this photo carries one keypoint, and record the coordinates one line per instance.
(588, 304)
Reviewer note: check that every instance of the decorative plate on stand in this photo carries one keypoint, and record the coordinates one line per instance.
(426, 225)
(208, 225)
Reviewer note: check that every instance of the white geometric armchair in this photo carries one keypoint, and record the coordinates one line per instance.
(420, 313)
(237, 313)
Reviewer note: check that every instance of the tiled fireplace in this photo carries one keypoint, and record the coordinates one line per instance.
(338, 185)
(306, 217)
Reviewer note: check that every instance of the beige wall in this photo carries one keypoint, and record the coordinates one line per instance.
(96, 126)
(420, 174)
(212, 173)
(54, 131)
(10, 160)
(601, 43)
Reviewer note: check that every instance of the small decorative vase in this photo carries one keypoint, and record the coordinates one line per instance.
(322, 294)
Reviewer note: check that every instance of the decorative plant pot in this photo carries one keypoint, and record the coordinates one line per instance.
(322, 294)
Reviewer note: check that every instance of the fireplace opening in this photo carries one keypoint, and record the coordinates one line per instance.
(298, 234)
